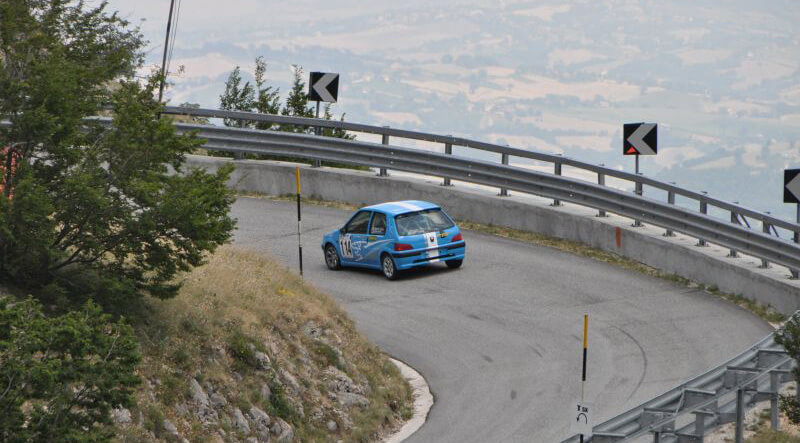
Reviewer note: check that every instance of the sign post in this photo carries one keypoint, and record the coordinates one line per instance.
(322, 87)
(791, 194)
(639, 139)
(299, 220)
(581, 419)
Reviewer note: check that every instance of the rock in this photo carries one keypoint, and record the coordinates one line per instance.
(121, 416)
(251, 440)
(282, 430)
(217, 400)
(332, 426)
(266, 392)
(341, 382)
(290, 381)
(197, 393)
(350, 399)
(218, 351)
(201, 405)
(170, 428)
(240, 422)
(312, 331)
(261, 422)
(262, 360)
(259, 417)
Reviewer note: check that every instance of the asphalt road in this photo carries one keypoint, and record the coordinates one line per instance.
(499, 340)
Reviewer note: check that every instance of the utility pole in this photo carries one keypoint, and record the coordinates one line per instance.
(166, 47)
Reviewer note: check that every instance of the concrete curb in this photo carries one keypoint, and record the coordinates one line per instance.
(647, 244)
(423, 401)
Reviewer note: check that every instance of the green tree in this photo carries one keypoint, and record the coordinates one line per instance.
(268, 97)
(237, 97)
(789, 338)
(95, 208)
(60, 376)
(335, 132)
(297, 102)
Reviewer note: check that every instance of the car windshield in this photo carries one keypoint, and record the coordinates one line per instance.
(420, 222)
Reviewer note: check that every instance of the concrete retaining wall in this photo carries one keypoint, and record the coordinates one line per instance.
(677, 255)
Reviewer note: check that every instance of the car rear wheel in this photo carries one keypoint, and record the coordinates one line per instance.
(332, 258)
(452, 264)
(388, 267)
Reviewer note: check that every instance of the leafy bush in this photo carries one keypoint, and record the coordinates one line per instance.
(62, 375)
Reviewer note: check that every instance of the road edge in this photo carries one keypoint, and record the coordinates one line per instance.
(423, 402)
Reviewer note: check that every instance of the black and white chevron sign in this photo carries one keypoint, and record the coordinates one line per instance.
(323, 87)
(791, 186)
(639, 139)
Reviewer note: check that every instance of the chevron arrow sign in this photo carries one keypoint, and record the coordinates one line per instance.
(640, 139)
(791, 186)
(323, 87)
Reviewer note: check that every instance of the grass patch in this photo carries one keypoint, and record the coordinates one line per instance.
(328, 355)
(766, 435)
(212, 330)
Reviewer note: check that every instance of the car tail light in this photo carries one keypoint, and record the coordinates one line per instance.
(457, 237)
(402, 247)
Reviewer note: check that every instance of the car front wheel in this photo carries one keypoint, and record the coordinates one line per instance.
(332, 258)
(388, 267)
(452, 264)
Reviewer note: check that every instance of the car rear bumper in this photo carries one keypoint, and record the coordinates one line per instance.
(406, 260)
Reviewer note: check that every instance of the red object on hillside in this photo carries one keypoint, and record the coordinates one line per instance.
(8, 159)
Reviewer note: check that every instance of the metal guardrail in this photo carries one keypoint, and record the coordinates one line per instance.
(738, 212)
(735, 234)
(721, 395)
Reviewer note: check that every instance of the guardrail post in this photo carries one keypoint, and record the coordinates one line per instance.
(557, 171)
(448, 150)
(504, 160)
(670, 200)
(794, 271)
(239, 155)
(765, 227)
(318, 132)
(601, 180)
(739, 438)
(384, 141)
(656, 437)
(703, 210)
(734, 220)
(638, 190)
(773, 401)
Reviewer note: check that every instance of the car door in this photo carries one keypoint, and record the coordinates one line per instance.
(376, 239)
(353, 241)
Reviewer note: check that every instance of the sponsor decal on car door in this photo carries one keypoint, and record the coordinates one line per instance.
(432, 241)
(346, 246)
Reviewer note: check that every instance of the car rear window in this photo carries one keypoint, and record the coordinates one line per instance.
(420, 222)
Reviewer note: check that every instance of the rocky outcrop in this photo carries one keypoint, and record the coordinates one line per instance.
(201, 404)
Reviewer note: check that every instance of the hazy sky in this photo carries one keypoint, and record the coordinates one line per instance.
(721, 77)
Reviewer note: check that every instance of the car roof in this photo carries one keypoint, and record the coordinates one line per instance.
(402, 207)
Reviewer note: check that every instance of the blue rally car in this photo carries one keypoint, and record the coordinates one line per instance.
(395, 236)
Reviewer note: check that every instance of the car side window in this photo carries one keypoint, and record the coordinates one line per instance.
(378, 226)
(358, 224)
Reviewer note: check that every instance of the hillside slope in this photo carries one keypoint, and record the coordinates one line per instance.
(248, 352)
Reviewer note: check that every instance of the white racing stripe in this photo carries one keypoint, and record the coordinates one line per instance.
(406, 205)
